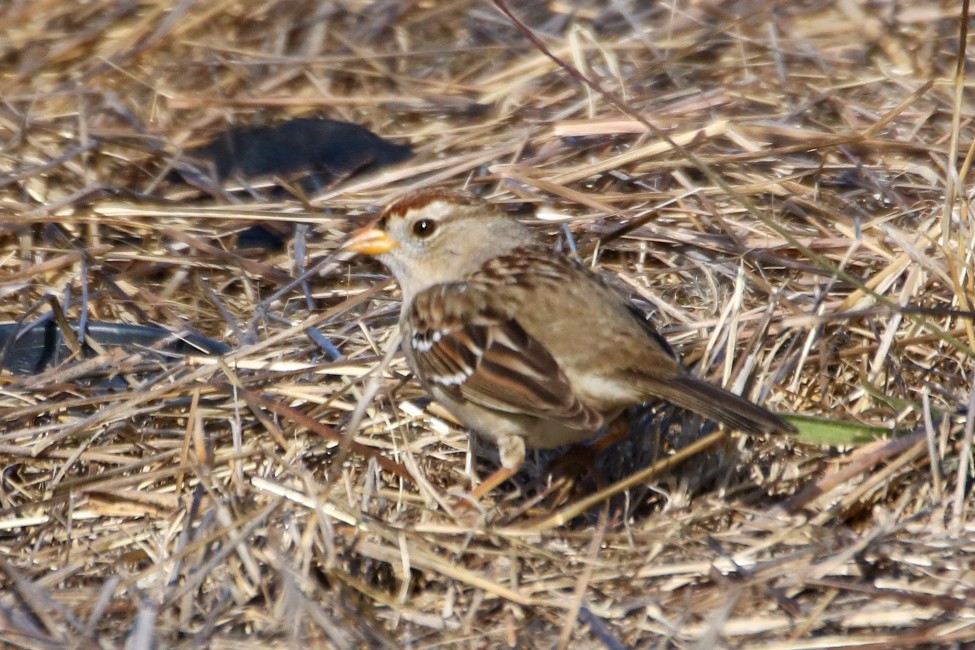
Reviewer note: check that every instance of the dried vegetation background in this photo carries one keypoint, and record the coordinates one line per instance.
(823, 266)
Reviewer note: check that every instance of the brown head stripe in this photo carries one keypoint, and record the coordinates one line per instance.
(423, 198)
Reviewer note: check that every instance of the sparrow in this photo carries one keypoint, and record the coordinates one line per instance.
(523, 345)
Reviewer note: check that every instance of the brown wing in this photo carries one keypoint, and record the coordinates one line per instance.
(478, 352)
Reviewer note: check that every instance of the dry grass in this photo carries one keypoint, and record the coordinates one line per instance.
(810, 242)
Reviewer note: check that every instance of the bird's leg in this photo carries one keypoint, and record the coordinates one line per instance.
(618, 430)
(582, 457)
(512, 452)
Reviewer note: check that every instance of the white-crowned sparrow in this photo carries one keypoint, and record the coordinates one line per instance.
(522, 344)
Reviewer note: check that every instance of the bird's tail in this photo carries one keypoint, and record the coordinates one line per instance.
(720, 405)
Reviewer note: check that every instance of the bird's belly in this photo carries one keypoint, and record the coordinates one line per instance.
(538, 433)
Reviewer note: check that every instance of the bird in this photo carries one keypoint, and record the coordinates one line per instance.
(522, 344)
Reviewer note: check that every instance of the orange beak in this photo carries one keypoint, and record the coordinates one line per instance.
(369, 241)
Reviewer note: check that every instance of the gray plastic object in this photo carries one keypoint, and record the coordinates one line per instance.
(31, 348)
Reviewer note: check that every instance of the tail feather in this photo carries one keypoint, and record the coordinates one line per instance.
(720, 405)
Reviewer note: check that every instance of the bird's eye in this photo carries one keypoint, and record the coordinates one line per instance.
(424, 228)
